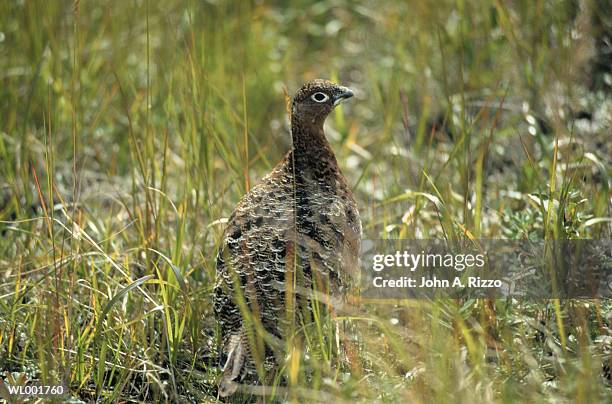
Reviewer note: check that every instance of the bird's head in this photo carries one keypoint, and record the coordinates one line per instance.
(316, 99)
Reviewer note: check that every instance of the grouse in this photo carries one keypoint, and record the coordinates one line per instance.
(296, 231)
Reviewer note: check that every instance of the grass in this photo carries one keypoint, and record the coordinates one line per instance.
(128, 130)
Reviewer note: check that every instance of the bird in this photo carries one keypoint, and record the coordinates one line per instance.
(297, 229)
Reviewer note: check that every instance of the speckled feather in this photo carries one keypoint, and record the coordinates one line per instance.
(302, 213)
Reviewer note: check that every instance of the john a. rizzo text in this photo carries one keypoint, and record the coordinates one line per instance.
(434, 282)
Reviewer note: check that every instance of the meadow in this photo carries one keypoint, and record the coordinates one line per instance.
(129, 131)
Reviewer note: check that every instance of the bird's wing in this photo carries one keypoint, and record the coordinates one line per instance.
(253, 250)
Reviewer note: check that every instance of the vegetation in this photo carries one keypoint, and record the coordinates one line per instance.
(129, 130)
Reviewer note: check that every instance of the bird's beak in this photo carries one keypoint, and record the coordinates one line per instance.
(342, 95)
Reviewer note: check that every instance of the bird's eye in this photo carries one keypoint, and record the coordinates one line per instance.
(320, 97)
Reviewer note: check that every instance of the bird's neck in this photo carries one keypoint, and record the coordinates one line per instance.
(310, 146)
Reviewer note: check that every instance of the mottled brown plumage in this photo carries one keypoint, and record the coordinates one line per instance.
(298, 225)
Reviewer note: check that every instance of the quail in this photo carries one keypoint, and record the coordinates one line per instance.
(296, 231)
